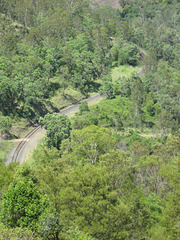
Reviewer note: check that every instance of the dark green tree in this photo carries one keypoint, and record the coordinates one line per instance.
(107, 87)
(129, 54)
(83, 107)
(87, 200)
(137, 94)
(8, 95)
(107, 90)
(58, 128)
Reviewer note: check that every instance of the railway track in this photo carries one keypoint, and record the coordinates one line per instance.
(25, 139)
(76, 106)
(67, 110)
(22, 143)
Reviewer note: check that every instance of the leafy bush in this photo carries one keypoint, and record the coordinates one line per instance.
(22, 205)
(130, 54)
(58, 128)
(17, 233)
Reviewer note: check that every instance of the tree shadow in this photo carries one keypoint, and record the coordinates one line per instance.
(54, 86)
(53, 108)
(71, 98)
(94, 87)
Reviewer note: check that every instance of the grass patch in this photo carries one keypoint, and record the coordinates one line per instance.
(107, 113)
(123, 71)
(5, 147)
(117, 104)
(20, 128)
(58, 100)
(71, 96)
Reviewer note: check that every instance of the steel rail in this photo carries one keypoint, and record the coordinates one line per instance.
(22, 143)
(62, 111)
(34, 130)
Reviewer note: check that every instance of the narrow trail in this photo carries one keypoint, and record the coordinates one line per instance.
(31, 139)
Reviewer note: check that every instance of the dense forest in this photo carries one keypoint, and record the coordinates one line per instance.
(112, 170)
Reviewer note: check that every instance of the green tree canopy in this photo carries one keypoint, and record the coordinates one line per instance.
(22, 204)
(86, 145)
(87, 200)
(83, 107)
(58, 128)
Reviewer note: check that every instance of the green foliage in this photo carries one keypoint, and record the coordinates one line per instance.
(5, 124)
(8, 95)
(83, 107)
(22, 204)
(34, 50)
(58, 128)
(150, 110)
(81, 121)
(114, 190)
(116, 112)
(169, 150)
(49, 227)
(106, 90)
(107, 87)
(129, 54)
(86, 145)
(67, 46)
(134, 137)
(168, 226)
(76, 234)
(48, 168)
(137, 95)
(87, 200)
(129, 11)
(17, 233)
(6, 176)
(164, 122)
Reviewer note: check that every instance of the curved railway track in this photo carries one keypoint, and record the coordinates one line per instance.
(22, 143)
(67, 110)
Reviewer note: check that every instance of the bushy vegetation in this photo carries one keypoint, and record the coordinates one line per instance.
(96, 188)
(50, 46)
(112, 171)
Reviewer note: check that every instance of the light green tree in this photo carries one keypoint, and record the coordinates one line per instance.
(22, 204)
(86, 145)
